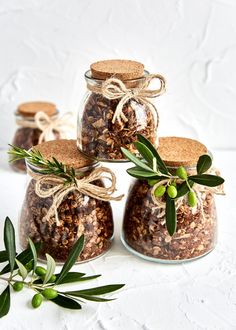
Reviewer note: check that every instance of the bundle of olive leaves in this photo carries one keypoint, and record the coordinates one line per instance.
(23, 272)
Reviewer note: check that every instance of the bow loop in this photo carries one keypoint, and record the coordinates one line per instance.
(114, 88)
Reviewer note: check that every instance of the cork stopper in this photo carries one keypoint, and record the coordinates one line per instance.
(65, 151)
(29, 109)
(121, 69)
(178, 151)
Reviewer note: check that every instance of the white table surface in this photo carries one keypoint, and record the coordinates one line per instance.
(194, 295)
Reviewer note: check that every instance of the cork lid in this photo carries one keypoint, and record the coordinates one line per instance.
(29, 109)
(65, 151)
(178, 151)
(121, 69)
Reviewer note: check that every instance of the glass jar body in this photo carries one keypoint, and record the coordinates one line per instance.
(26, 137)
(144, 230)
(77, 214)
(101, 138)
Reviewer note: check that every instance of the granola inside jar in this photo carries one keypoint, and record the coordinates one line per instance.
(78, 211)
(28, 133)
(117, 106)
(144, 225)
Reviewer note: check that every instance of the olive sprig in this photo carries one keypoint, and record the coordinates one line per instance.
(46, 166)
(170, 187)
(24, 272)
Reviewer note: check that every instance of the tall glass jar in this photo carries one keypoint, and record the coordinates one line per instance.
(28, 133)
(144, 226)
(76, 214)
(116, 107)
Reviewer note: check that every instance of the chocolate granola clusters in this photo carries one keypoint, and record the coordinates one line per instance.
(102, 139)
(78, 214)
(144, 227)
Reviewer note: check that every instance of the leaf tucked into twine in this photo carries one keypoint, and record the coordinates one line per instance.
(55, 187)
(114, 88)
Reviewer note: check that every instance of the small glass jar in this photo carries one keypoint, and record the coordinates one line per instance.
(77, 214)
(101, 133)
(27, 133)
(144, 229)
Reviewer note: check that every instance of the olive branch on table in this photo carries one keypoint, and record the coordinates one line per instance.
(23, 272)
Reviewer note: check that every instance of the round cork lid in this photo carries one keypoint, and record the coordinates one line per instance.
(31, 108)
(65, 151)
(179, 151)
(121, 69)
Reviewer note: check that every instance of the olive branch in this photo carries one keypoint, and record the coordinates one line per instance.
(152, 168)
(24, 272)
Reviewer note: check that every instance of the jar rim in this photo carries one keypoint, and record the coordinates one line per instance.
(89, 78)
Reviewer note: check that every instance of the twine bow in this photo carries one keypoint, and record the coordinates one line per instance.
(114, 88)
(58, 190)
(49, 124)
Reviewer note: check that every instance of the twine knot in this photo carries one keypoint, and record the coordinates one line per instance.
(57, 188)
(48, 125)
(114, 88)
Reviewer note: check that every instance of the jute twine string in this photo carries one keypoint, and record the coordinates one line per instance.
(197, 188)
(114, 88)
(58, 190)
(48, 124)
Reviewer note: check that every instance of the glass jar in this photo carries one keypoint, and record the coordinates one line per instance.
(144, 226)
(28, 133)
(101, 130)
(77, 214)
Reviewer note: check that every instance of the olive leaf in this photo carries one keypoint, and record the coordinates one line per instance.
(203, 164)
(5, 301)
(51, 266)
(94, 298)
(145, 152)
(66, 302)
(96, 291)
(183, 188)
(154, 152)
(170, 216)
(72, 258)
(139, 173)
(207, 180)
(136, 160)
(34, 253)
(22, 269)
(3, 256)
(9, 241)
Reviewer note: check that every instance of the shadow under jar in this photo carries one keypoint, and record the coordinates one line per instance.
(77, 214)
(144, 229)
(27, 133)
(102, 128)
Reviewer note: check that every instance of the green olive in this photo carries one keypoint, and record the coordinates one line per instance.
(172, 191)
(40, 271)
(49, 293)
(192, 199)
(159, 191)
(37, 300)
(18, 286)
(182, 173)
(52, 279)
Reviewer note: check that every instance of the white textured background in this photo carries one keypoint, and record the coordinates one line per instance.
(46, 46)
